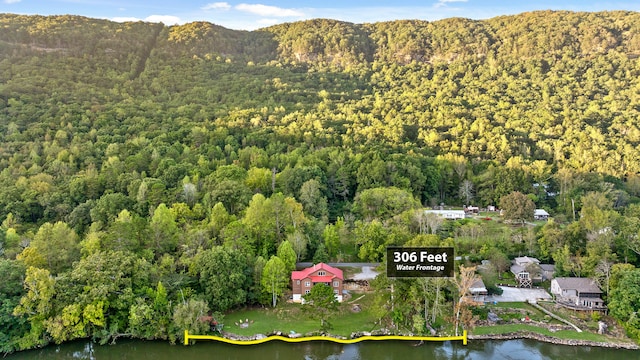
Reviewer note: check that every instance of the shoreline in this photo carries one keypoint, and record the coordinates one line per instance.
(507, 336)
(553, 340)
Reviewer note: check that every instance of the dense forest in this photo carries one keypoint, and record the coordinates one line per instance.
(152, 174)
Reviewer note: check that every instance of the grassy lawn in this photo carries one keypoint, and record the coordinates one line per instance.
(562, 334)
(512, 305)
(283, 318)
(287, 317)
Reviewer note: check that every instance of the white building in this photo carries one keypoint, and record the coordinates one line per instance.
(448, 214)
(579, 293)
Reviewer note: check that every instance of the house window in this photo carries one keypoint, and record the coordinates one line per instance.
(322, 273)
(335, 291)
(297, 282)
(307, 291)
(307, 284)
(336, 283)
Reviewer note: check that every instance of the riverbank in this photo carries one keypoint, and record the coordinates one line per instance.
(553, 340)
(480, 337)
(288, 320)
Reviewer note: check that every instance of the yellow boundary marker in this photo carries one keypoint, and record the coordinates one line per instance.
(188, 337)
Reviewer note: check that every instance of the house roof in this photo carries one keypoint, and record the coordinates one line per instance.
(540, 212)
(582, 285)
(548, 267)
(322, 279)
(477, 286)
(303, 274)
(524, 260)
(446, 212)
(516, 269)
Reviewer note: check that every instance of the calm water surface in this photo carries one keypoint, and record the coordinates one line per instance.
(383, 350)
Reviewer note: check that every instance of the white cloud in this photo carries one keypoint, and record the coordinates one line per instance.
(441, 3)
(217, 6)
(165, 19)
(266, 10)
(11, 1)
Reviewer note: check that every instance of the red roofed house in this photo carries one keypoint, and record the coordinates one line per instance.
(303, 280)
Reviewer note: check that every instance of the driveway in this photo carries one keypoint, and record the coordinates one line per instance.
(366, 274)
(511, 294)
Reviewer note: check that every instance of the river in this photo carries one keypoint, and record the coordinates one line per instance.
(387, 350)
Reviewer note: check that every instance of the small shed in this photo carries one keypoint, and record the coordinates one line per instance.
(540, 214)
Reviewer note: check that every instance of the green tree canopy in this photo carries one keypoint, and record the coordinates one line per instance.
(383, 203)
(321, 303)
(275, 278)
(625, 301)
(517, 207)
(54, 247)
(224, 275)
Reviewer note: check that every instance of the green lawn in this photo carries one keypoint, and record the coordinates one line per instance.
(512, 305)
(562, 334)
(287, 317)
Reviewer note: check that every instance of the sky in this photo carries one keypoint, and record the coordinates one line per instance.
(251, 15)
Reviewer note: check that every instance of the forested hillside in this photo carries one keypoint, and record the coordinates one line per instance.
(149, 173)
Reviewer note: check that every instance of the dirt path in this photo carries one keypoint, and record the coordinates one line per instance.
(554, 315)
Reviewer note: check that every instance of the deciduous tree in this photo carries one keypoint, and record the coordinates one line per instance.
(517, 207)
(275, 279)
(55, 247)
(224, 275)
(321, 303)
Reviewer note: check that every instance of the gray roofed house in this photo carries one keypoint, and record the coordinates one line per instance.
(577, 293)
(477, 291)
(525, 260)
(548, 270)
(528, 270)
(540, 214)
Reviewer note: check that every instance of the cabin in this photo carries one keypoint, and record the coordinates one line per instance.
(303, 280)
(540, 214)
(448, 214)
(478, 291)
(577, 293)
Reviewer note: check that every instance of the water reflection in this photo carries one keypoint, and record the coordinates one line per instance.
(86, 354)
(372, 350)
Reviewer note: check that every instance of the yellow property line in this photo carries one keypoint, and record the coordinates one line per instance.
(188, 337)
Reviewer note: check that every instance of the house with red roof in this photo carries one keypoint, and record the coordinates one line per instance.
(304, 280)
